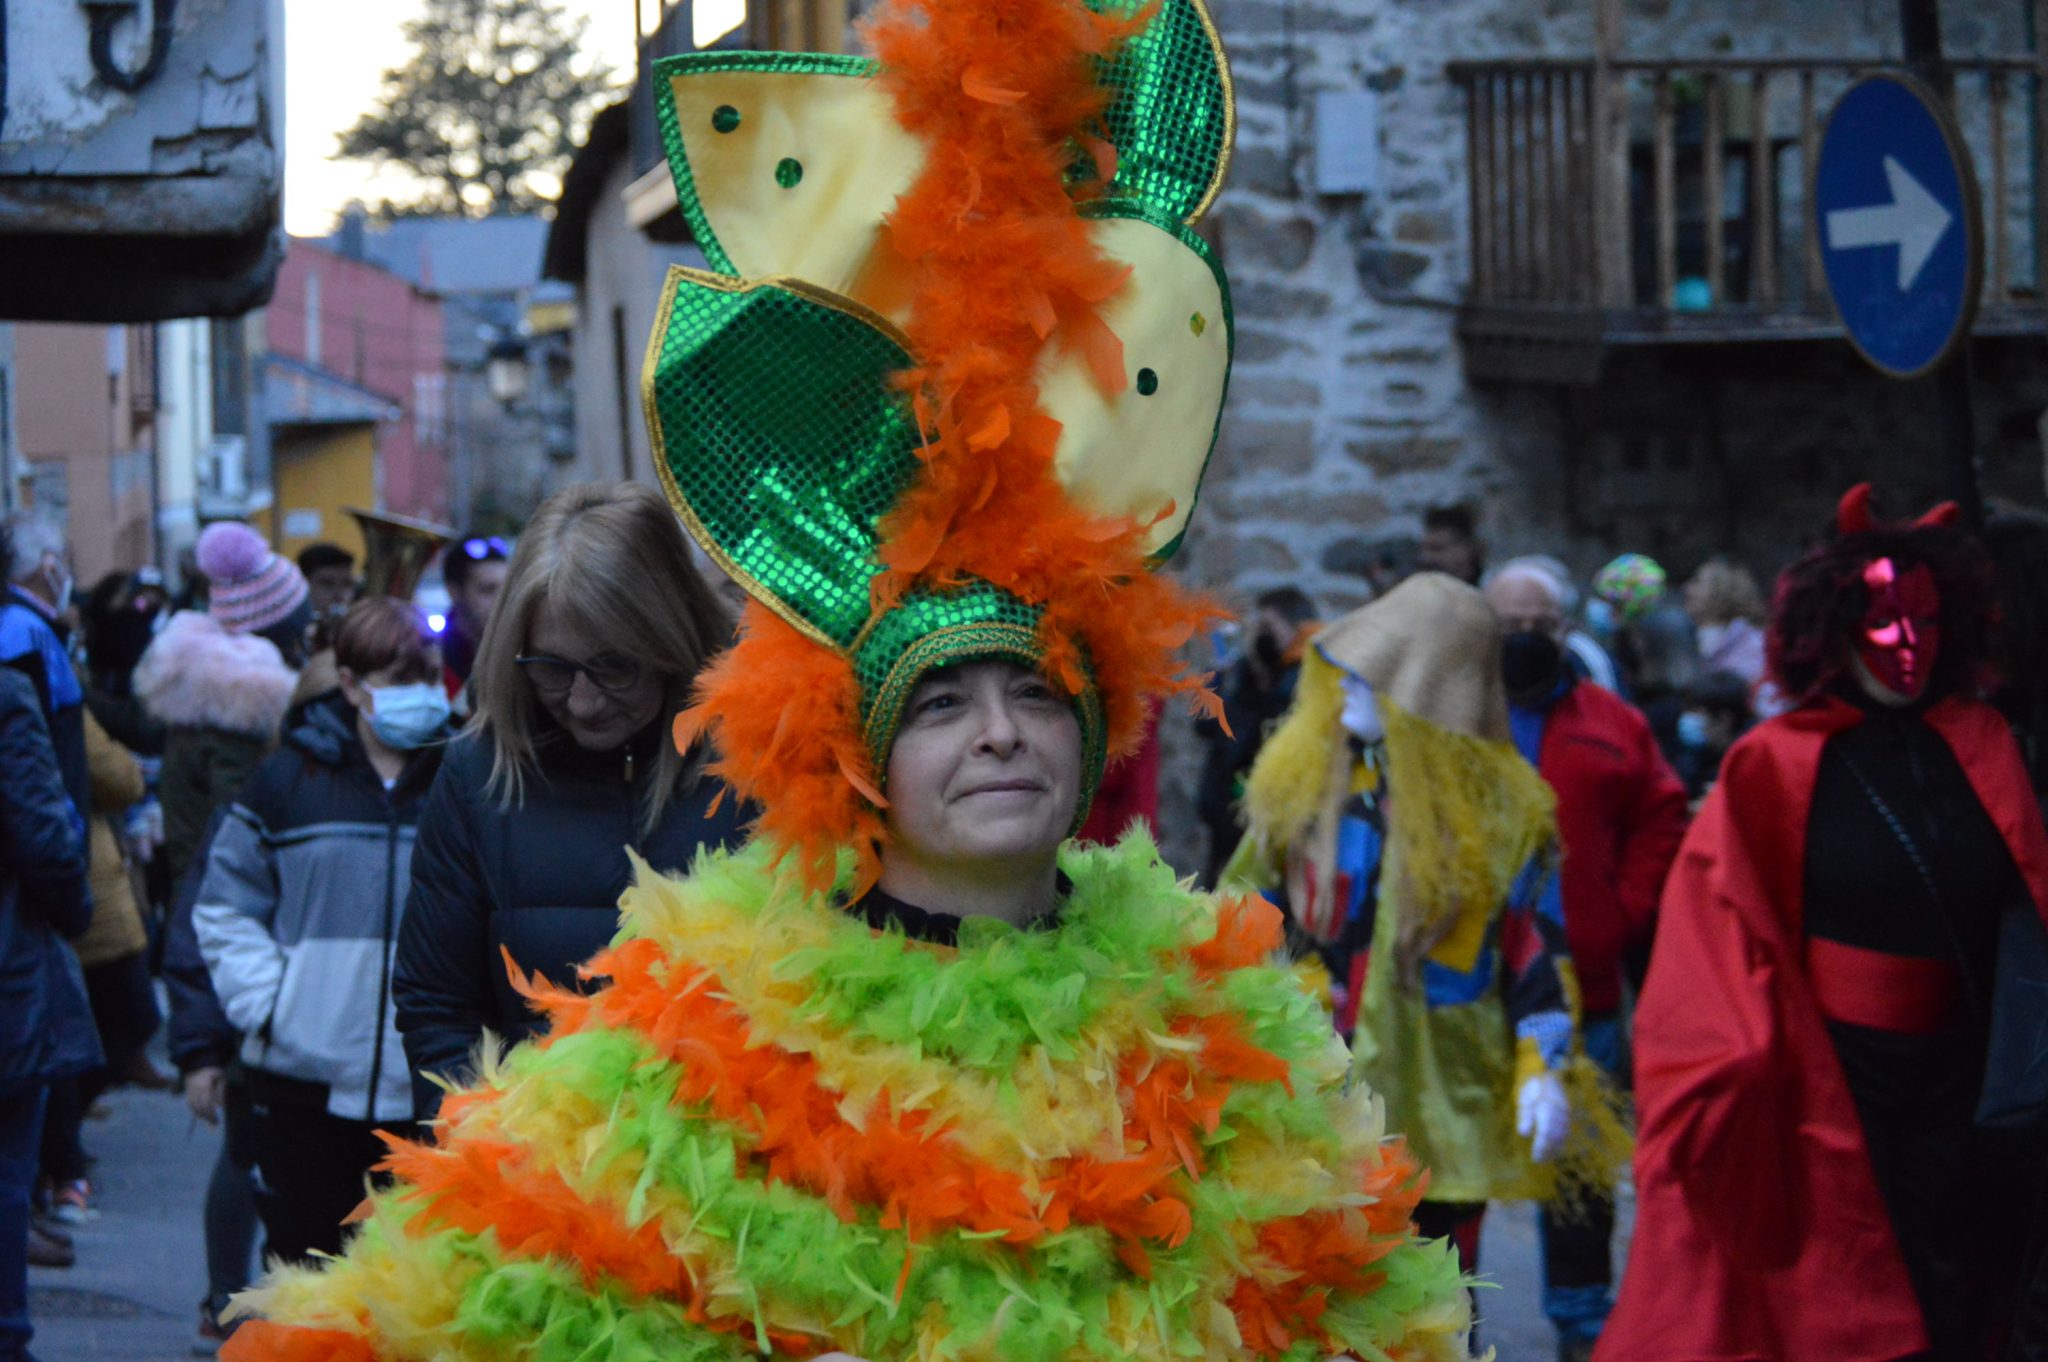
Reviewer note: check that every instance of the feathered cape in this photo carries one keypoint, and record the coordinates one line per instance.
(774, 1131)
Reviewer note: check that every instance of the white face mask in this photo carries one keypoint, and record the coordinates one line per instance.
(407, 717)
(1361, 712)
(60, 582)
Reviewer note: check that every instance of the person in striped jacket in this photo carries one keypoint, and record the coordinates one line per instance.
(298, 914)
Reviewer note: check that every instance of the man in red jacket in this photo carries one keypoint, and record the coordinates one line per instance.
(1620, 816)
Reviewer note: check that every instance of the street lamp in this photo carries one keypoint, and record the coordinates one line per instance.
(505, 369)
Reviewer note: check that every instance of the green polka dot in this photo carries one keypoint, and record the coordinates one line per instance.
(725, 118)
(1198, 323)
(789, 172)
(1148, 383)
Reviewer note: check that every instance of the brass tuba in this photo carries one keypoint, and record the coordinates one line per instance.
(396, 551)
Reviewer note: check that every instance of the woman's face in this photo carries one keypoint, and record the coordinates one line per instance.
(599, 718)
(1699, 599)
(986, 767)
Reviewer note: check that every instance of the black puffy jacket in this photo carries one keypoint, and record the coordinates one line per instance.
(541, 880)
(46, 1027)
(199, 1033)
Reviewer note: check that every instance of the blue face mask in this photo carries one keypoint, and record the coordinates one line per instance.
(1692, 728)
(1601, 617)
(407, 717)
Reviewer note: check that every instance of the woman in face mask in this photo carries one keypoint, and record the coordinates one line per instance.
(1727, 610)
(298, 915)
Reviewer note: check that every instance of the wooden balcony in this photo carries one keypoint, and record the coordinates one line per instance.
(1621, 203)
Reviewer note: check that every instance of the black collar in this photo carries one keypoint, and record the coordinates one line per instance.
(884, 911)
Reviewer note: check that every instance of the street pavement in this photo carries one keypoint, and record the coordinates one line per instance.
(134, 1294)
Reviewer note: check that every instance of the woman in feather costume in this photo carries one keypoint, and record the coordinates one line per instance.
(913, 1075)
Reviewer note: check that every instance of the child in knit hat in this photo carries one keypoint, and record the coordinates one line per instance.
(221, 679)
(252, 589)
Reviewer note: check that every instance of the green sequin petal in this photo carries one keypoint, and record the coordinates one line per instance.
(1170, 116)
(780, 440)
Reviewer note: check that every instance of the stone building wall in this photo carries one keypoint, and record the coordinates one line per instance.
(1350, 409)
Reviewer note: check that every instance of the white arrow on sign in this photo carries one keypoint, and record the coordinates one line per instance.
(1914, 221)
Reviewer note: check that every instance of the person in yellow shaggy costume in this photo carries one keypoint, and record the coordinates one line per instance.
(1391, 815)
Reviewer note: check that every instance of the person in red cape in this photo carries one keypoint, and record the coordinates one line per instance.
(1810, 1041)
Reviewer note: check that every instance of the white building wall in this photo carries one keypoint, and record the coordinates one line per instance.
(188, 484)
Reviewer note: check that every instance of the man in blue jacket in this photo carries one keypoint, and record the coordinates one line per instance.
(32, 640)
(46, 1030)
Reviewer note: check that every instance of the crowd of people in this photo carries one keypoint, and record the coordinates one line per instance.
(239, 771)
(1469, 797)
(605, 974)
(1815, 812)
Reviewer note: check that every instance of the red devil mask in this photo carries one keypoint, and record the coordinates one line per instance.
(1900, 634)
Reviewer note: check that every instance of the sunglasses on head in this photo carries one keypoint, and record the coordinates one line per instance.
(486, 547)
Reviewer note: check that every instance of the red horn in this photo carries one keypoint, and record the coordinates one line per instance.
(1852, 514)
(1943, 517)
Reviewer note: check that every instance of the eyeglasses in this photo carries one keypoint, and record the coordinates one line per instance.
(609, 672)
(488, 547)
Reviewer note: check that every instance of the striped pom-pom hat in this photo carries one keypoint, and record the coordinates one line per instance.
(249, 587)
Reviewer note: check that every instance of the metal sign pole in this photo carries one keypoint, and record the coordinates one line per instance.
(1954, 380)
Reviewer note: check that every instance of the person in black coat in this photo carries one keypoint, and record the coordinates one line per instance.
(46, 1030)
(203, 1043)
(1256, 691)
(566, 765)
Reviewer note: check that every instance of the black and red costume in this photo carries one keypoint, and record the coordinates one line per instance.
(1810, 1042)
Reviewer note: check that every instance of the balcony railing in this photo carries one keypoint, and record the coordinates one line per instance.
(1631, 201)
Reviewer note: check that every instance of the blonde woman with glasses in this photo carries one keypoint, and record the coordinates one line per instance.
(564, 767)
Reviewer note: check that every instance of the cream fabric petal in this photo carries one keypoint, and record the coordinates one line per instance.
(1137, 451)
(792, 171)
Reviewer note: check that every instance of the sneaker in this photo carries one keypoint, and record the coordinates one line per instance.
(72, 1204)
(50, 1229)
(46, 1251)
(212, 1333)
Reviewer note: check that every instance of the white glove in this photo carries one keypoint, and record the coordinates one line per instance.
(1361, 713)
(1544, 1114)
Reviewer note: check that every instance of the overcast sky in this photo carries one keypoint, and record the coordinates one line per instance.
(335, 51)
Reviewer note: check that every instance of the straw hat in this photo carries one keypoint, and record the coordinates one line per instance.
(1432, 646)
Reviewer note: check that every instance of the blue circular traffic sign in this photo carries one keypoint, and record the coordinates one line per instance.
(1896, 209)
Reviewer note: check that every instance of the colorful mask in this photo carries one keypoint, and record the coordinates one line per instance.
(1900, 634)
